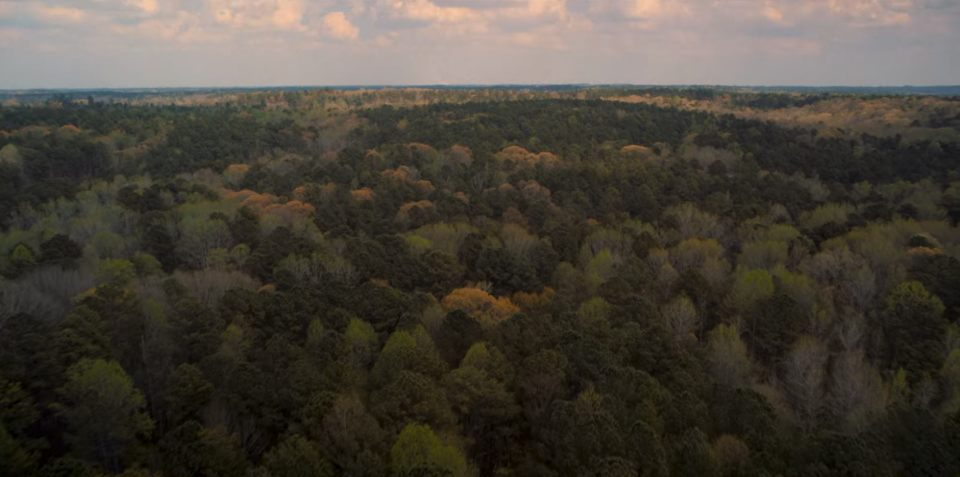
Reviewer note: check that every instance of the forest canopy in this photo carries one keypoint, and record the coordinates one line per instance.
(530, 282)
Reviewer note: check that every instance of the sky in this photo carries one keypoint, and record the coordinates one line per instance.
(221, 43)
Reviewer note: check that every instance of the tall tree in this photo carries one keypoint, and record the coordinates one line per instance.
(913, 327)
(105, 412)
(419, 453)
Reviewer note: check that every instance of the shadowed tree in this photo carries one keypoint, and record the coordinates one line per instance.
(105, 412)
(913, 327)
(296, 456)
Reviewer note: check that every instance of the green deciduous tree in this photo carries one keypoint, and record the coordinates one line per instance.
(751, 286)
(104, 411)
(20, 260)
(478, 393)
(419, 453)
(578, 435)
(18, 452)
(727, 357)
(352, 438)
(116, 272)
(406, 351)
(296, 456)
(187, 393)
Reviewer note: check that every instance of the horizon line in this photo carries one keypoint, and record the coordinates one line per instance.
(472, 85)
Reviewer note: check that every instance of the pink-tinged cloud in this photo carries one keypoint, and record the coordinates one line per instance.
(873, 12)
(427, 10)
(336, 25)
(58, 13)
(147, 6)
(258, 14)
(223, 42)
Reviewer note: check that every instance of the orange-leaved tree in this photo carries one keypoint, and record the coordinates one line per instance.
(483, 307)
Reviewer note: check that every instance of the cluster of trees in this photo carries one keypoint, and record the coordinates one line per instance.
(535, 287)
(833, 114)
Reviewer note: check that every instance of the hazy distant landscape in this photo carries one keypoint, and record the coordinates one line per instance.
(10, 96)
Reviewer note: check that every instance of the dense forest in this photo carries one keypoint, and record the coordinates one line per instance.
(462, 282)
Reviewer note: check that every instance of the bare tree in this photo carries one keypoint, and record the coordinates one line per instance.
(804, 378)
(691, 222)
(479, 181)
(851, 331)
(209, 285)
(860, 287)
(680, 317)
(856, 390)
(45, 293)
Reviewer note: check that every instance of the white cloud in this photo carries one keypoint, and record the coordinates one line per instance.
(288, 14)
(336, 25)
(426, 10)
(258, 14)
(180, 27)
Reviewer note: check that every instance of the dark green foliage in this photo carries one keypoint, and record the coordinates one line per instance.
(188, 393)
(82, 334)
(275, 247)
(313, 342)
(411, 396)
(296, 456)
(245, 227)
(104, 412)
(153, 232)
(382, 307)
(773, 324)
(181, 452)
(191, 450)
(941, 275)
(64, 157)
(60, 249)
(508, 272)
(18, 413)
(195, 327)
(693, 457)
(20, 260)
(578, 436)
(14, 460)
(746, 414)
(455, 336)
(912, 325)
(26, 352)
(70, 467)
(832, 454)
(921, 443)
